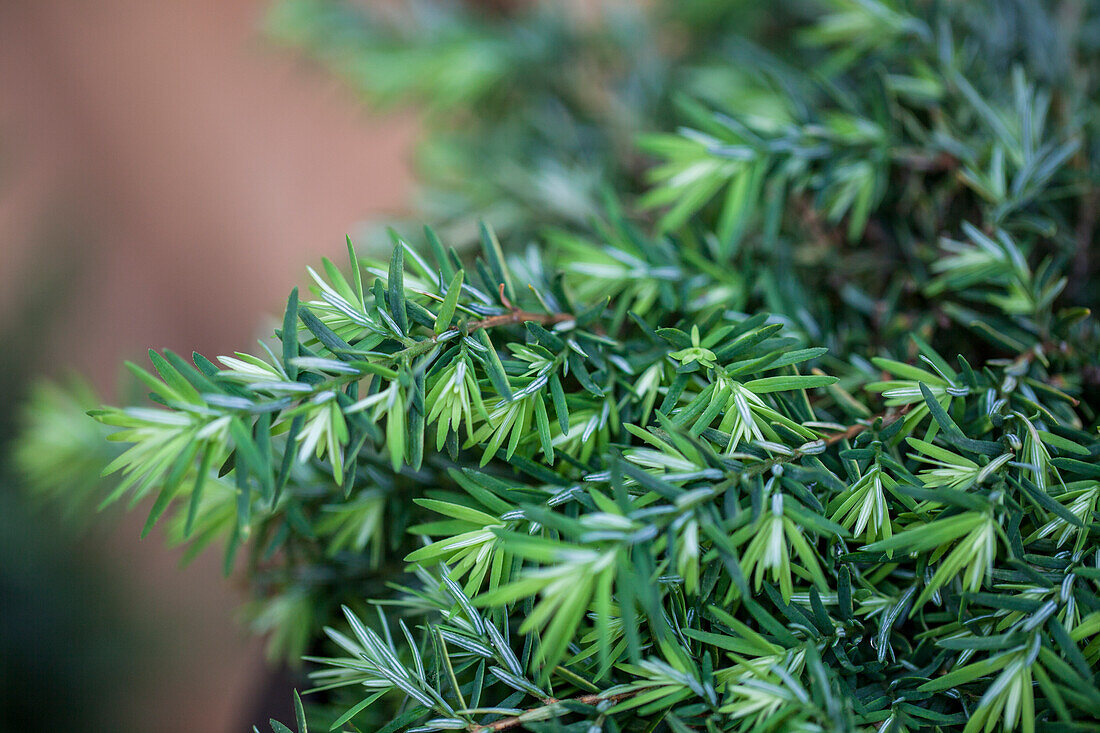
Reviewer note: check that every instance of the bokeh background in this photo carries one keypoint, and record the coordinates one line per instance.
(165, 176)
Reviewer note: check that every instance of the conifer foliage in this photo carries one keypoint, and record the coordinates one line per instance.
(802, 438)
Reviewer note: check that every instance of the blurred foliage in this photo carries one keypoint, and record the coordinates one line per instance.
(790, 426)
(530, 109)
(68, 644)
(66, 632)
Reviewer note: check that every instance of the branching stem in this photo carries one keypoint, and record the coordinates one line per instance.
(888, 417)
(590, 699)
(514, 316)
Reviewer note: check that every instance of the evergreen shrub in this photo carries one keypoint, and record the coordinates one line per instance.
(783, 419)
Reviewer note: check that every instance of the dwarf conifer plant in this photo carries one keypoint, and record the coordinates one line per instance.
(804, 437)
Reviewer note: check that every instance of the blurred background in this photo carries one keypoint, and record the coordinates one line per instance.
(165, 176)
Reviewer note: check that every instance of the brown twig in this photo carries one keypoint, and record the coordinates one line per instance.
(811, 218)
(514, 316)
(938, 163)
(518, 316)
(889, 417)
(592, 699)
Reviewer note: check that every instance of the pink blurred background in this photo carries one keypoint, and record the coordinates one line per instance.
(167, 175)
